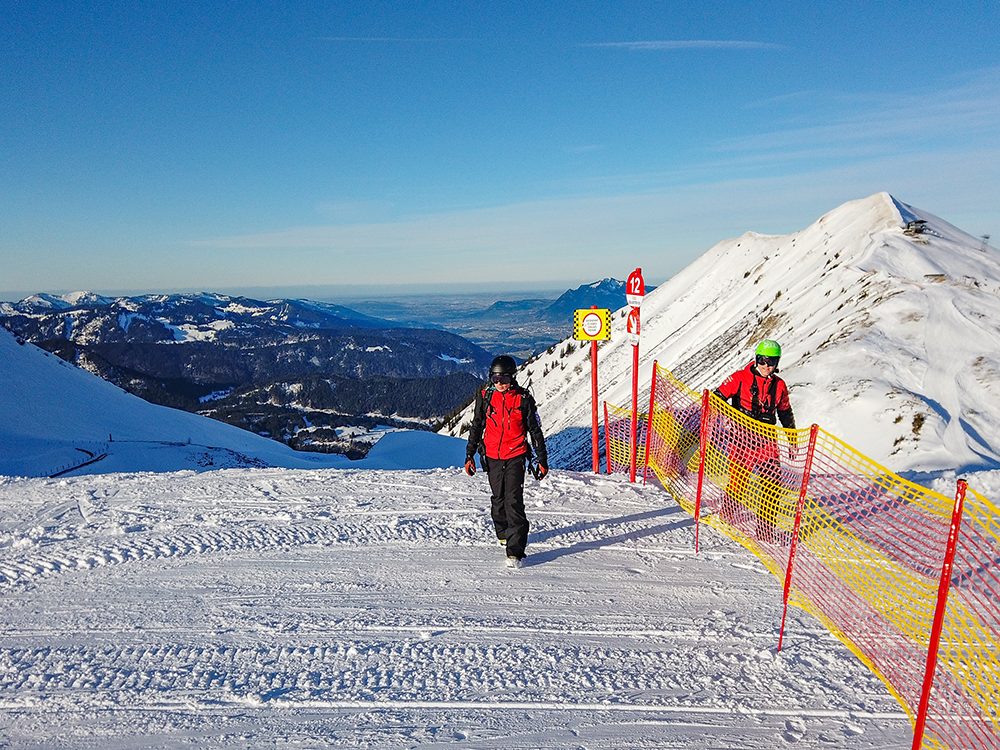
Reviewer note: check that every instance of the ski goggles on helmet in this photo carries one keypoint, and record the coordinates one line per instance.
(502, 377)
(769, 361)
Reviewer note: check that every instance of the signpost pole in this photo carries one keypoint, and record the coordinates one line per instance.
(593, 325)
(635, 410)
(593, 400)
(635, 290)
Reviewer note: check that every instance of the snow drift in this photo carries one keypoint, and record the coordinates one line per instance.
(54, 416)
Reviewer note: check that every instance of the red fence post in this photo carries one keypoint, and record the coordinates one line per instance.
(703, 442)
(649, 423)
(806, 472)
(607, 445)
(942, 605)
(593, 400)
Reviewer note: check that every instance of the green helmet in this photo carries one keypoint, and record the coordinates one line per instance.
(769, 348)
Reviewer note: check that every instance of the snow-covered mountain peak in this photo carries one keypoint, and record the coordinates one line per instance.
(45, 301)
(887, 316)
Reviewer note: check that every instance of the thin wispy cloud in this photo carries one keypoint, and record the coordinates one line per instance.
(686, 44)
(804, 95)
(391, 39)
(968, 113)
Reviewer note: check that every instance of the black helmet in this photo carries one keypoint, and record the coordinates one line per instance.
(503, 364)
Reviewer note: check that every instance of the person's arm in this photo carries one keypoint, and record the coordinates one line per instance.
(785, 415)
(476, 429)
(730, 386)
(533, 426)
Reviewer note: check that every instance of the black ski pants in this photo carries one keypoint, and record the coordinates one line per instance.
(507, 502)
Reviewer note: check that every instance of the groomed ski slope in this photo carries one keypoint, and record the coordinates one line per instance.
(371, 609)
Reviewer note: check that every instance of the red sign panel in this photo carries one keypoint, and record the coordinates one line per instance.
(632, 326)
(635, 288)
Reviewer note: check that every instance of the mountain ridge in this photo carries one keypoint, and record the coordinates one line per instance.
(885, 331)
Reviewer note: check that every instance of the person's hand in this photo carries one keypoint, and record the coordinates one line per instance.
(470, 467)
(543, 469)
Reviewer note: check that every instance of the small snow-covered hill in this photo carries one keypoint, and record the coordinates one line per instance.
(889, 318)
(54, 416)
(296, 371)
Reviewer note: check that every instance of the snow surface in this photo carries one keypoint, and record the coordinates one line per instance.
(355, 608)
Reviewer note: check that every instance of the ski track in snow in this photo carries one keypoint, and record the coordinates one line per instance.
(362, 609)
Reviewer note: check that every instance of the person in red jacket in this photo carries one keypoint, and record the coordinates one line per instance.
(505, 416)
(758, 392)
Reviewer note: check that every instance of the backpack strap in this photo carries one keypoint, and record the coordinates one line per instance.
(488, 399)
(756, 408)
(487, 395)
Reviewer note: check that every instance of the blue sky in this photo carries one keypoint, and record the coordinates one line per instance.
(160, 146)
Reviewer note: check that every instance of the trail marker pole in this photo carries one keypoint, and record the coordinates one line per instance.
(635, 290)
(633, 332)
(806, 474)
(593, 399)
(593, 325)
(702, 446)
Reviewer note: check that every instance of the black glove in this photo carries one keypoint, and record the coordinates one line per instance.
(539, 470)
(470, 466)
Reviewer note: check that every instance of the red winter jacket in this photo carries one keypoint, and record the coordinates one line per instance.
(501, 423)
(758, 396)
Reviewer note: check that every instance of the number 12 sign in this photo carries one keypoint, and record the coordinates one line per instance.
(635, 288)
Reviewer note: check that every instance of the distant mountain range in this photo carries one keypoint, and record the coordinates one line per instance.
(607, 293)
(519, 327)
(298, 371)
(293, 370)
(887, 316)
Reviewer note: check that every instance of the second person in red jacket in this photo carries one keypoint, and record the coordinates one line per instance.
(758, 392)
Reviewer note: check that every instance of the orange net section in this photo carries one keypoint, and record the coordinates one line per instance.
(674, 430)
(868, 561)
(859, 547)
(618, 439)
(752, 479)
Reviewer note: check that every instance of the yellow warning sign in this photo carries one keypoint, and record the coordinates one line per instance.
(591, 325)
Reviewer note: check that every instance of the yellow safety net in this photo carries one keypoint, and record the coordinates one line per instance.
(864, 550)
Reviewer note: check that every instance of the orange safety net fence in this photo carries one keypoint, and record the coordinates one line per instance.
(618, 439)
(864, 550)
